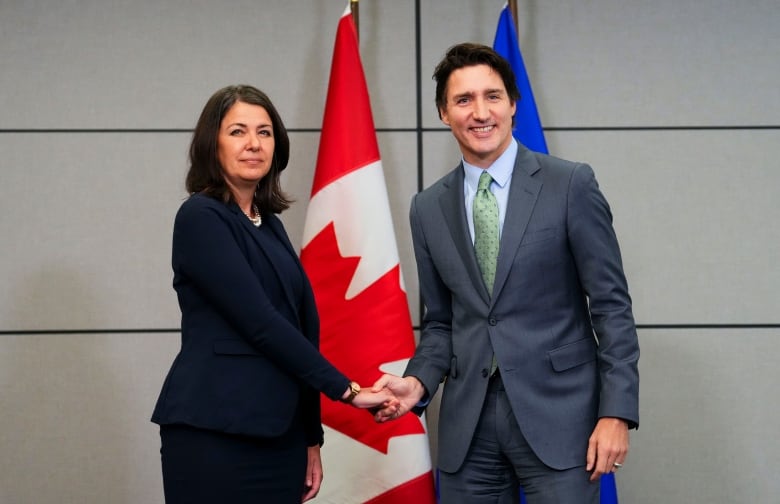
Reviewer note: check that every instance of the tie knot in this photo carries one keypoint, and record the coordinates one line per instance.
(484, 181)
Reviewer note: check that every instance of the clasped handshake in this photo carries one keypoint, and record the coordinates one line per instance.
(390, 397)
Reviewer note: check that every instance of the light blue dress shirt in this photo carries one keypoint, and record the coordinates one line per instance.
(501, 171)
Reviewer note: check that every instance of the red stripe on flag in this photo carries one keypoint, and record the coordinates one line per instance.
(348, 140)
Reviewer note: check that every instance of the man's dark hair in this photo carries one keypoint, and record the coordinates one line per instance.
(470, 54)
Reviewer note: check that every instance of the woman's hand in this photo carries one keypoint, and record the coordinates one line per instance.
(368, 399)
(313, 473)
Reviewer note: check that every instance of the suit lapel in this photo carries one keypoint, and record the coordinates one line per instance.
(453, 207)
(276, 226)
(523, 194)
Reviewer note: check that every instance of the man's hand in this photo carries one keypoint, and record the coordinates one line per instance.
(408, 391)
(607, 447)
(375, 400)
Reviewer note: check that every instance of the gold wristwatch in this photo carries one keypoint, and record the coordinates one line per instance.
(354, 389)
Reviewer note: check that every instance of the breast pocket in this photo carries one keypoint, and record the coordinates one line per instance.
(538, 236)
(539, 255)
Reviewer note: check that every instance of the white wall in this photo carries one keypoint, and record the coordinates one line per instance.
(675, 103)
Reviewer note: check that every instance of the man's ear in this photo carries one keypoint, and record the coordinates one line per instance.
(443, 116)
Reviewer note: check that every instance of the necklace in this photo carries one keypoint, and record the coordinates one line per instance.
(258, 219)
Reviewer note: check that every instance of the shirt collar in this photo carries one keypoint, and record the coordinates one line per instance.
(500, 170)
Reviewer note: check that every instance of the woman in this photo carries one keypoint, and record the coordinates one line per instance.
(239, 410)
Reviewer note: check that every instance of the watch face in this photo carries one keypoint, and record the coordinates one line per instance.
(354, 389)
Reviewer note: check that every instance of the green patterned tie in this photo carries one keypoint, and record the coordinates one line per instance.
(486, 230)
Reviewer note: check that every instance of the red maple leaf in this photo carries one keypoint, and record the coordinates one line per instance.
(358, 335)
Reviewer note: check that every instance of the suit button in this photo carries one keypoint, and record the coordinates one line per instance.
(484, 373)
(492, 321)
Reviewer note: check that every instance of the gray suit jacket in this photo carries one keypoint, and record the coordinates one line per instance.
(559, 318)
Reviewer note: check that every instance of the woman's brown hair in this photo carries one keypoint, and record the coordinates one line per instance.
(205, 173)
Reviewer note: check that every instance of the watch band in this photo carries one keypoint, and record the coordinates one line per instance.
(354, 389)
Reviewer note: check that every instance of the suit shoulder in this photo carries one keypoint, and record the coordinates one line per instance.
(198, 202)
(198, 207)
(557, 164)
(551, 167)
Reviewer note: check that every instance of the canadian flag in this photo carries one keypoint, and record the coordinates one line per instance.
(351, 257)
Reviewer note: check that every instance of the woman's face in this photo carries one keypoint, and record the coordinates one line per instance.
(245, 145)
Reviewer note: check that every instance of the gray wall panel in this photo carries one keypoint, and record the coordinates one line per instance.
(696, 214)
(706, 432)
(617, 63)
(86, 229)
(75, 422)
(387, 51)
(657, 63)
(440, 155)
(399, 160)
(98, 64)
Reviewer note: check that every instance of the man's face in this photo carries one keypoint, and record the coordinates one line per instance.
(479, 113)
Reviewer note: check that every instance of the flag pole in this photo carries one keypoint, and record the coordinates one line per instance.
(513, 10)
(353, 6)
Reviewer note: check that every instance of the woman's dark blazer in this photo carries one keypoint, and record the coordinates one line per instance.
(249, 356)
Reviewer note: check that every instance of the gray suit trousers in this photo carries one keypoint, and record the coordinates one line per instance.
(500, 460)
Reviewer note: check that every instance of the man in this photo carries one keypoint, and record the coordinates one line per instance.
(535, 342)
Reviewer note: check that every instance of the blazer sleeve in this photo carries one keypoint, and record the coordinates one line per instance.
(310, 401)
(206, 249)
(431, 361)
(596, 253)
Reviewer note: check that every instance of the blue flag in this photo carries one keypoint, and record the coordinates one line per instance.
(528, 131)
(528, 127)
